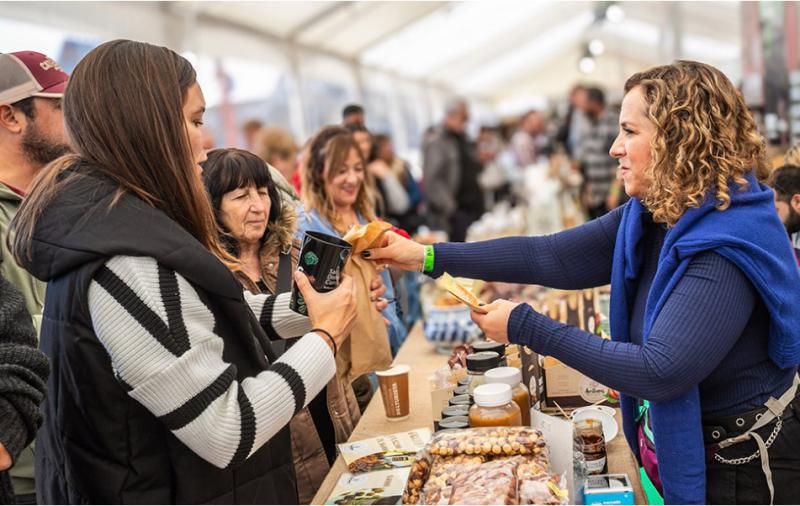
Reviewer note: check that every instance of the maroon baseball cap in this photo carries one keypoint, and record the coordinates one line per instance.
(30, 74)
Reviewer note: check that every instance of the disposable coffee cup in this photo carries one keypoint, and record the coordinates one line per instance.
(322, 259)
(394, 391)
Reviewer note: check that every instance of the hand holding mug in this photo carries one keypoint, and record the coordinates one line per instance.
(333, 311)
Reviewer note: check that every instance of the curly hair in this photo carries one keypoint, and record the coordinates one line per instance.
(329, 148)
(706, 139)
(793, 155)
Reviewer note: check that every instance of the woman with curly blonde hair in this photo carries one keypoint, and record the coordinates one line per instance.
(705, 309)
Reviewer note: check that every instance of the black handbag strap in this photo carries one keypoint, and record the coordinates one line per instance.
(284, 285)
(284, 273)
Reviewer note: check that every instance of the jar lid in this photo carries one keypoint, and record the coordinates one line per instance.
(482, 361)
(461, 400)
(463, 389)
(458, 410)
(495, 394)
(464, 381)
(498, 348)
(511, 376)
(456, 422)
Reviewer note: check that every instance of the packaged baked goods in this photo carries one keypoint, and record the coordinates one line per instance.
(484, 441)
(533, 467)
(488, 465)
(445, 469)
(547, 489)
(491, 483)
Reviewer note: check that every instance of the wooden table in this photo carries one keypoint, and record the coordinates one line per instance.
(423, 359)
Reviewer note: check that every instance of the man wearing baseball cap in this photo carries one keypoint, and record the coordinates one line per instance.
(31, 136)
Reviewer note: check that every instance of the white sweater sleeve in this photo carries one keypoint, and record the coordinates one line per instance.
(277, 320)
(160, 337)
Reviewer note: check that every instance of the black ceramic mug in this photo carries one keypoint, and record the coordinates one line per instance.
(322, 259)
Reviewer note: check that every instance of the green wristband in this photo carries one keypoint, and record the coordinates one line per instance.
(427, 266)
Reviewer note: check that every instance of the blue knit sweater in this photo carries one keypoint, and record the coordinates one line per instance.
(662, 358)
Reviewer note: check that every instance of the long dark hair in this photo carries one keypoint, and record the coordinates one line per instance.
(123, 114)
(229, 169)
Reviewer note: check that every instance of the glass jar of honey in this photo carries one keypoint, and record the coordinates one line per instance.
(494, 407)
(512, 377)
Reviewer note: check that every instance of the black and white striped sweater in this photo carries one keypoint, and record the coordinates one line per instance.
(161, 341)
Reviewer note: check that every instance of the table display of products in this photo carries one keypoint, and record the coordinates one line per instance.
(491, 465)
(543, 453)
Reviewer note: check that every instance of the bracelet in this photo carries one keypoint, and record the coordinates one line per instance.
(427, 265)
(328, 334)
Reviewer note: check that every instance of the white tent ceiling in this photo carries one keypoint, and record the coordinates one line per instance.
(494, 50)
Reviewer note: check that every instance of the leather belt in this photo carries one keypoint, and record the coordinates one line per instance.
(719, 429)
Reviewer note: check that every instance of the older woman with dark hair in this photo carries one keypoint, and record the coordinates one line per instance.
(258, 228)
(705, 307)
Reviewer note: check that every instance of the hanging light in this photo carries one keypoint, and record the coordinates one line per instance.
(596, 47)
(586, 64)
(614, 13)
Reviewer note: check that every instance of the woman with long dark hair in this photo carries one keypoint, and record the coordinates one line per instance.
(165, 388)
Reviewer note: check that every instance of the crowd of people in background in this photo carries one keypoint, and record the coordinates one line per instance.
(453, 191)
(249, 217)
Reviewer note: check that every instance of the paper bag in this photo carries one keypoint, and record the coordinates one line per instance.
(367, 349)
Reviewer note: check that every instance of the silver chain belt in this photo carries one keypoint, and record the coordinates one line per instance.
(757, 454)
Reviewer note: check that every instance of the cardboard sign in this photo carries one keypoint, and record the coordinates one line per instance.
(558, 434)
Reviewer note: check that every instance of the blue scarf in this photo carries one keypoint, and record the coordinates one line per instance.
(749, 234)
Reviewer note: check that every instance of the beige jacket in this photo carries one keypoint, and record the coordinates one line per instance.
(310, 462)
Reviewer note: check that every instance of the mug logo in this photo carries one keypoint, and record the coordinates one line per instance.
(310, 258)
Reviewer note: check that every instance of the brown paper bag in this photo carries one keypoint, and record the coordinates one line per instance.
(367, 349)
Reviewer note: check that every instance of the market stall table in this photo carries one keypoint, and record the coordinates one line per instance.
(423, 359)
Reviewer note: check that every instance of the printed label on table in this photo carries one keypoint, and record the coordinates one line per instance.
(380, 487)
(384, 452)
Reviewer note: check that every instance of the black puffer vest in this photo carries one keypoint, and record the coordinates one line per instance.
(97, 444)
